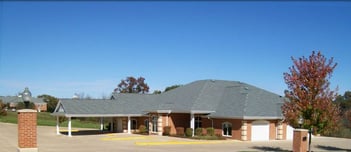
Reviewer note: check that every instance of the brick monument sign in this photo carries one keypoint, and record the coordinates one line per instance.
(27, 130)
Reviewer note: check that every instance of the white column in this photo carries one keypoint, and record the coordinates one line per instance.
(128, 124)
(69, 127)
(192, 122)
(57, 125)
(101, 123)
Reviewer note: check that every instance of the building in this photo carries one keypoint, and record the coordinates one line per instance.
(234, 109)
(12, 101)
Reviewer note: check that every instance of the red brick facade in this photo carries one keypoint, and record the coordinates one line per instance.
(178, 123)
(178, 120)
(27, 128)
(42, 107)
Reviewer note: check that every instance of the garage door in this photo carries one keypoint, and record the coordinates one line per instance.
(289, 132)
(260, 131)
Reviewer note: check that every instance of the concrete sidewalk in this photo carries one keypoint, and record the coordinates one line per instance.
(48, 141)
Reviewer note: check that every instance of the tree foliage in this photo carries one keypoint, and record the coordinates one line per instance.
(21, 105)
(344, 103)
(51, 102)
(132, 85)
(3, 112)
(157, 92)
(309, 94)
(171, 87)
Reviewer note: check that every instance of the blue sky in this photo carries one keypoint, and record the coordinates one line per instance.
(62, 48)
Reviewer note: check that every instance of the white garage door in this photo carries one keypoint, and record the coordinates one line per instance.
(260, 130)
(289, 132)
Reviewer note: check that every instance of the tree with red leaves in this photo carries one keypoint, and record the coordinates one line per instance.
(309, 94)
(132, 85)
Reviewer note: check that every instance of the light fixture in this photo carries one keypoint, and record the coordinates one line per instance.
(27, 97)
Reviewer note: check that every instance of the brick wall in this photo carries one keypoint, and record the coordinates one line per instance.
(178, 120)
(42, 106)
(217, 125)
(27, 128)
(272, 130)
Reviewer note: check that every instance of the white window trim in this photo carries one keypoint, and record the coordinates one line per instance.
(223, 129)
(152, 122)
(198, 120)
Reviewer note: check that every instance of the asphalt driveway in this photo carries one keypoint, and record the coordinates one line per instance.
(92, 141)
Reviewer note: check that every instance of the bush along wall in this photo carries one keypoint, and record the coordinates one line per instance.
(198, 132)
(189, 132)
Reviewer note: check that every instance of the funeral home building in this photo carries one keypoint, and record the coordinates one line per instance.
(234, 109)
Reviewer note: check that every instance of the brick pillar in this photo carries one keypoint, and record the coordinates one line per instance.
(159, 125)
(280, 131)
(27, 130)
(300, 140)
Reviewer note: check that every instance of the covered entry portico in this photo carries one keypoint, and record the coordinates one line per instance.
(118, 122)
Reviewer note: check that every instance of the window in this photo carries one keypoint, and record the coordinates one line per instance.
(198, 122)
(227, 129)
(134, 124)
(146, 123)
(154, 123)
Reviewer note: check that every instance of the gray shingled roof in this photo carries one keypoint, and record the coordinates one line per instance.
(126, 105)
(218, 98)
(16, 99)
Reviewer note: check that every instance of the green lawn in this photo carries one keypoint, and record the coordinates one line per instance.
(45, 119)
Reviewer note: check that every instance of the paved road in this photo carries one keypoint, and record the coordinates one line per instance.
(48, 141)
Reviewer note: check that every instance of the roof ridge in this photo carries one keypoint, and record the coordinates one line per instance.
(200, 93)
(245, 103)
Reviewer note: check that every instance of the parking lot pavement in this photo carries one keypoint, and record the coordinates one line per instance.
(84, 141)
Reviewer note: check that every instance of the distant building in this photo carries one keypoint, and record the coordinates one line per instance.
(39, 103)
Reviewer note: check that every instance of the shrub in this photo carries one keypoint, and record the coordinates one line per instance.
(3, 112)
(180, 131)
(189, 132)
(142, 129)
(166, 130)
(198, 131)
(210, 131)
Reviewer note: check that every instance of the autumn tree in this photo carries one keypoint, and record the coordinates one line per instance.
(132, 85)
(3, 112)
(51, 102)
(309, 94)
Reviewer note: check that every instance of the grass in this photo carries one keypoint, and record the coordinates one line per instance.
(45, 119)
